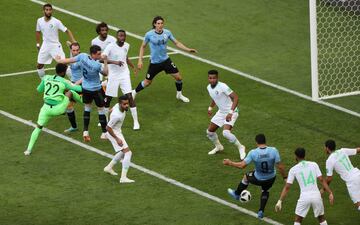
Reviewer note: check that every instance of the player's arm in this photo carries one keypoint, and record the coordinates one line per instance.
(38, 38)
(105, 69)
(111, 132)
(79, 82)
(281, 167)
(235, 99)
(327, 189)
(183, 47)
(212, 105)
(72, 87)
(141, 55)
(58, 59)
(70, 35)
(283, 194)
(128, 61)
(240, 165)
(41, 86)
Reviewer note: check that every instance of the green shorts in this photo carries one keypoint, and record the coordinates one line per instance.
(47, 111)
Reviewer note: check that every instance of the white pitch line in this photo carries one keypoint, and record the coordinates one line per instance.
(142, 169)
(33, 71)
(237, 72)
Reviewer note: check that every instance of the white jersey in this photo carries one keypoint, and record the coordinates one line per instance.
(116, 119)
(339, 160)
(220, 94)
(49, 29)
(306, 174)
(102, 44)
(116, 53)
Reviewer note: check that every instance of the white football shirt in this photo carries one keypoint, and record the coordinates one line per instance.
(116, 119)
(49, 29)
(109, 39)
(339, 160)
(114, 52)
(220, 94)
(306, 174)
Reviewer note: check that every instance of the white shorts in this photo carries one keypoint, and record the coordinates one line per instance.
(220, 119)
(113, 85)
(117, 148)
(354, 188)
(303, 205)
(48, 52)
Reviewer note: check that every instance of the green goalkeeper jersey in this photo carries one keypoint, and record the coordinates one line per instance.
(54, 87)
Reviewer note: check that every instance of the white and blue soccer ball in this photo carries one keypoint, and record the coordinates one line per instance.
(245, 196)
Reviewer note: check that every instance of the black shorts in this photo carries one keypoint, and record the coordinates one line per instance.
(265, 184)
(97, 96)
(168, 66)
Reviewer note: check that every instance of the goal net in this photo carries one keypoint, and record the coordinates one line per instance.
(335, 48)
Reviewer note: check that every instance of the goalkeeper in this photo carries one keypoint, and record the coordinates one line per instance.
(57, 94)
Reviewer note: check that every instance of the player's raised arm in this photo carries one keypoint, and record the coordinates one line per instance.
(141, 55)
(183, 47)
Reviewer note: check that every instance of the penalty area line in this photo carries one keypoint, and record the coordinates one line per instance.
(142, 169)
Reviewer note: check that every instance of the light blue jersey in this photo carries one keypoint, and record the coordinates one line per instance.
(76, 72)
(264, 160)
(90, 69)
(157, 43)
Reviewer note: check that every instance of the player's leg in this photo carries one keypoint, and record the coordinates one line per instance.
(353, 188)
(118, 156)
(99, 101)
(111, 91)
(153, 70)
(265, 186)
(87, 100)
(44, 57)
(170, 68)
(244, 183)
(213, 137)
(126, 165)
(125, 85)
(72, 118)
(298, 220)
(228, 125)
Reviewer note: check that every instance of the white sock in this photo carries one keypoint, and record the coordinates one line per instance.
(213, 137)
(297, 223)
(359, 208)
(134, 114)
(116, 159)
(41, 72)
(230, 136)
(126, 164)
(324, 223)
(179, 92)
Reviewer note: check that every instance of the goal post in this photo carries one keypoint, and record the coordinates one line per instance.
(335, 48)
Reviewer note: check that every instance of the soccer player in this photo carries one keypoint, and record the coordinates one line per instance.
(115, 136)
(76, 78)
(92, 90)
(226, 100)
(306, 173)
(119, 75)
(339, 161)
(157, 38)
(49, 26)
(57, 95)
(265, 159)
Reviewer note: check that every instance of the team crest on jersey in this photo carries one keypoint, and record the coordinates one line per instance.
(51, 25)
(216, 92)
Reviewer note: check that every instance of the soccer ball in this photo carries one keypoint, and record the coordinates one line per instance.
(245, 196)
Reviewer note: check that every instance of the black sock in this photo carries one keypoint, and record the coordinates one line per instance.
(240, 188)
(86, 120)
(107, 101)
(263, 200)
(139, 87)
(71, 116)
(178, 85)
(102, 120)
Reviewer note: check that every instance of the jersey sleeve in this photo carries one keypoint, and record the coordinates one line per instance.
(249, 157)
(317, 171)
(226, 89)
(349, 151)
(171, 36)
(113, 120)
(61, 26)
(79, 57)
(277, 156)
(329, 168)
(291, 176)
(40, 87)
(38, 26)
(147, 38)
(72, 87)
